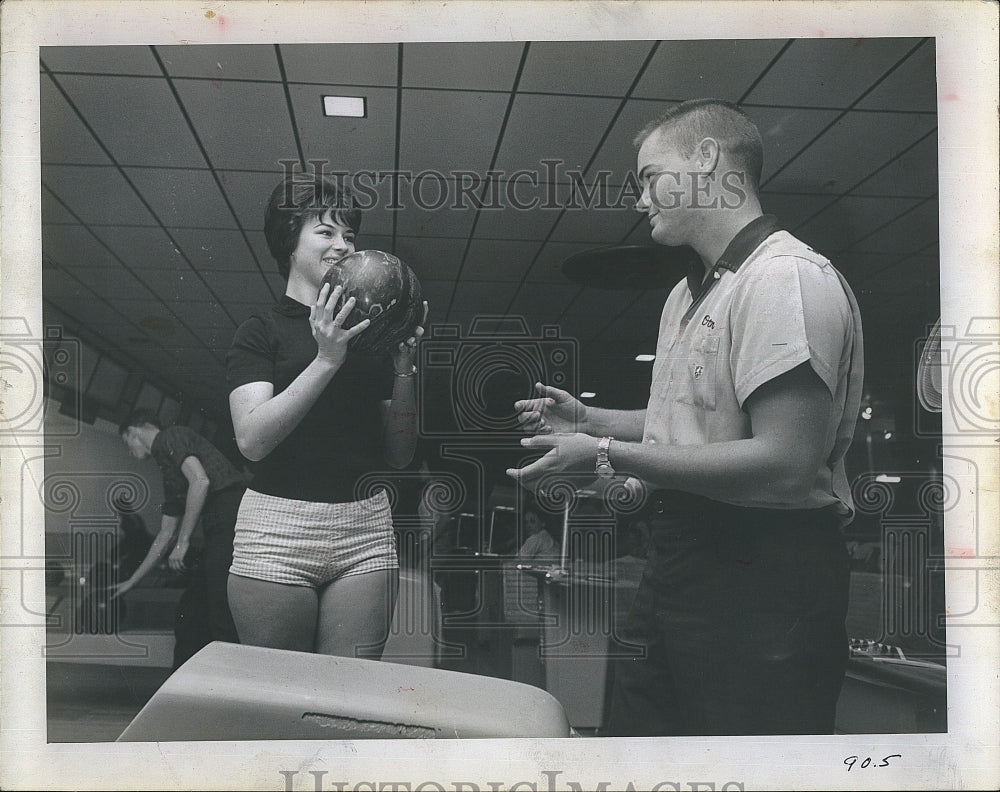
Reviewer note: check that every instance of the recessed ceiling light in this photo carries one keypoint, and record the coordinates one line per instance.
(587, 395)
(645, 358)
(350, 106)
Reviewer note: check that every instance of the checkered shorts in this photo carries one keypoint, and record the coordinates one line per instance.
(311, 544)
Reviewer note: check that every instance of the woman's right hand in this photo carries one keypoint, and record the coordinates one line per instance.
(327, 325)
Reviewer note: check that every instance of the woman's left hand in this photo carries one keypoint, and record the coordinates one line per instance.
(404, 358)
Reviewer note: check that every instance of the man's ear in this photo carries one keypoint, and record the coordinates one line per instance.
(707, 155)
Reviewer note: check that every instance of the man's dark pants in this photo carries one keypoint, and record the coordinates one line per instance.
(741, 612)
(203, 612)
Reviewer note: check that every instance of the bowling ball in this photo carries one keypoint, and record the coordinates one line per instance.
(386, 291)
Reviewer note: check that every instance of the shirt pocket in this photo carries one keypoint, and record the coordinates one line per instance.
(701, 376)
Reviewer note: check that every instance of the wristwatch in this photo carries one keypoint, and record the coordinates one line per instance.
(604, 469)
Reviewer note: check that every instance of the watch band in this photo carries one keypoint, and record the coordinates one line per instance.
(604, 468)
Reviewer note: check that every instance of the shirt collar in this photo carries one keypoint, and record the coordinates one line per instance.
(740, 248)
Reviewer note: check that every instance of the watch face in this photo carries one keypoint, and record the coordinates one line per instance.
(605, 471)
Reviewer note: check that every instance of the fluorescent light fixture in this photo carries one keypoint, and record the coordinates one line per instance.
(587, 395)
(350, 106)
(882, 478)
(645, 358)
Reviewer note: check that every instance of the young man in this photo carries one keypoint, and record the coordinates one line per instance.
(755, 393)
(198, 483)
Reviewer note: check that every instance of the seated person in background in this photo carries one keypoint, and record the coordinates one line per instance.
(198, 483)
(540, 546)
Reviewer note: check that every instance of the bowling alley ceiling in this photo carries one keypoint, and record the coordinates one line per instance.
(157, 162)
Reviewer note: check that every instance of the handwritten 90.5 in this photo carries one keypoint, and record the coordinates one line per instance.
(850, 761)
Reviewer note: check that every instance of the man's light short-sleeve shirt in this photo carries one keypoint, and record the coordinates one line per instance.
(775, 305)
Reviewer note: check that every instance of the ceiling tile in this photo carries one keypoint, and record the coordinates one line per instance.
(64, 138)
(98, 196)
(602, 226)
(785, 131)
(449, 131)
(223, 113)
(438, 294)
(104, 60)
(217, 250)
(142, 248)
(544, 299)
(509, 221)
(156, 132)
(617, 156)
(53, 212)
(498, 260)
(908, 234)
(346, 145)
(455, 223)
(914, 173)
(342, 64)
(842, 223)
(475, 65)
(63, 290)
(434, 259)
(872, 139)
(483, 297)
(240, 61)
(822, 72)
(602, 305)
(183, 197)
(113, 284)
(548, 266)
(791, 209)
(206, 314)
(72, 246)
(605, 68)
(913, 86)
(178, 285)
(720, 68)
(249, 287)
(561, 128)
(248, 193)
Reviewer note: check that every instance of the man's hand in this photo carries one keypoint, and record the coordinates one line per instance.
(176, 559)
(566, 452)
(553, 412)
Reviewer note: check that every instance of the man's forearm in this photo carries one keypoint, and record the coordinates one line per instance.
(752, 469)
(157, 549)
(197, 494)
(621, 424)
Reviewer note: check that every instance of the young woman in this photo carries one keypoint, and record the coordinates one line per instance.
(314, 562)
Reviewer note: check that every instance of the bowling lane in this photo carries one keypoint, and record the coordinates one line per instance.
(90, 702)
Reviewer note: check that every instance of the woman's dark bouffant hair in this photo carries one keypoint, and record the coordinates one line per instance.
(297, 198)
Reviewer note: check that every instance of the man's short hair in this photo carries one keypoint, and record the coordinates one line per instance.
(139, 417)
(696, 119)
(297, 198)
